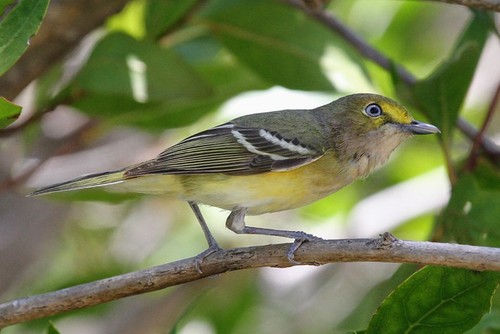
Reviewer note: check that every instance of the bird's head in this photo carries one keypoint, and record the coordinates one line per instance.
(368, 127)
(363, 113)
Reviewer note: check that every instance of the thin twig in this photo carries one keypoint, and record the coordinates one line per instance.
(59, 100)
(35, 117)
(316, 252)
(478, 140)
(493, 5)
(67, 145)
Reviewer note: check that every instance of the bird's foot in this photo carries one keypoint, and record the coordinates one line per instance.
(299, 240)
(214, 248)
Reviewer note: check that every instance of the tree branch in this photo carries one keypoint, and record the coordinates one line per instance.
(493, 5)
(317, 252)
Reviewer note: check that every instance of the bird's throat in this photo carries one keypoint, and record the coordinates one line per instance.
(368, 151)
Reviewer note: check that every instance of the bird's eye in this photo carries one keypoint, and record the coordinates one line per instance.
(373, 110)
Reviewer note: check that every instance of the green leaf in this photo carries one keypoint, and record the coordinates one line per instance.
(16, 29)
(52, 329)
(128, 80)
(487, 174)
(4, 4)
(103, 87)
(490, 324)
(130, 20)
(362, 313)
(238, 296)
(161, 14)
(436, 300)
(282, 45)
(138, 70)
(48, 86)
(121, 110)
(218, 68)
(9, 112)
(472, 214)
(441, 95)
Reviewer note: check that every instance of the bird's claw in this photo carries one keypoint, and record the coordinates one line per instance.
(203, 255)
(303, 237)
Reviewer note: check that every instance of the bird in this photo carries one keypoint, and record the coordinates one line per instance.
(269, 162)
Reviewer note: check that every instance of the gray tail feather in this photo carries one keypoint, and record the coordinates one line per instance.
(83, 182)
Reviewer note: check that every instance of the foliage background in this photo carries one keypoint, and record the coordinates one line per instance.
(160, 70)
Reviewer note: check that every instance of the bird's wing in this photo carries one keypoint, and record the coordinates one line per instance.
(229, 149)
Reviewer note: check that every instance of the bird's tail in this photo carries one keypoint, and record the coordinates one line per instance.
(83, 182)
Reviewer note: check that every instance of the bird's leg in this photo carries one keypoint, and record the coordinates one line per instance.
(212, 244)
(236, 223)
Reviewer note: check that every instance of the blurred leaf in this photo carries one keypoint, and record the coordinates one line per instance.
(436, 300)
(130, 20)
(362, 313)
(4, 4)
(218, 67)
(441, 94)
(16, 29)
(487, 174)
(201, 49)
(112, 105)
(131, 81)
(52, 329)
(471, 216)
(489, 324)
(237, 297)
(161, 14)
(9, 112)
(405, 24)
(48, 86)
(147, 115)
(209, 82)
(138, 70)
(416, 229)
(282, 46)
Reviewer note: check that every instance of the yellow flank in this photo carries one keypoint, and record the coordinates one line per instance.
(260, 193)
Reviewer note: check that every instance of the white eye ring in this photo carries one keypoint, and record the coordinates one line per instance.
(373, 110)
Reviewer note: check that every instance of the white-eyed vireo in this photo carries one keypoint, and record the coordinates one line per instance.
(270, 161)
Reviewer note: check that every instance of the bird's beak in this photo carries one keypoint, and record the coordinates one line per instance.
(421, 128)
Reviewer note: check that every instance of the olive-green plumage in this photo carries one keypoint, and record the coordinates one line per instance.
(271, 161)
